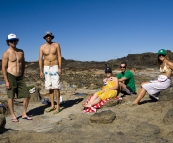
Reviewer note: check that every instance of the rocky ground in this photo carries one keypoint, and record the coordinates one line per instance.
(149, 122)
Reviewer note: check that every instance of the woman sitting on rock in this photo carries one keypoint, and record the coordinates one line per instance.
(163, 82)
(109, 89)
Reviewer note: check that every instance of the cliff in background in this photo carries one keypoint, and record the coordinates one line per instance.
(144, 60)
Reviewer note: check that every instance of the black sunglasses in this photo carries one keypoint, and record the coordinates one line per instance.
(13, 41)
(122, 67)
(48, 36)
(162, 55)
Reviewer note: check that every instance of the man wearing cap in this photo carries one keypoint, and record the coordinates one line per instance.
(126, 80)
(13, 65)
(51, 53)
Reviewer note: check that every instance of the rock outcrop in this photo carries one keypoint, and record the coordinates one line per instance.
(2, 122)
(36, 96)
(145, 60)
(4, 110)
(103, 117)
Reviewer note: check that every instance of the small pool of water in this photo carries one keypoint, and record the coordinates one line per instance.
(2, 82)
(80, 94)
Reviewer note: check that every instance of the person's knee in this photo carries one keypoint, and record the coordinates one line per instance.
(26, 99)
(120, 83)
(56, 90)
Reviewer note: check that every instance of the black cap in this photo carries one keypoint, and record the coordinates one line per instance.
(108, 70)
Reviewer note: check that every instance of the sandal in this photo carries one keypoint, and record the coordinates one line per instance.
(27, 118)
(15, 120)
(57, 111)
(49, 109)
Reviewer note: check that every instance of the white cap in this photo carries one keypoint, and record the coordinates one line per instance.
(12, 37)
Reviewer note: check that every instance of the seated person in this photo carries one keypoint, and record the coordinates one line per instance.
(126, 80)
(163, 81)
(109, 89)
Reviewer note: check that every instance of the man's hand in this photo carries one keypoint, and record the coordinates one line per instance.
(41, 75)
(7, 85)
(59, 71)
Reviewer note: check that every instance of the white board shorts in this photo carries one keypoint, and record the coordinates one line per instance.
(156, 86)
(52, 79)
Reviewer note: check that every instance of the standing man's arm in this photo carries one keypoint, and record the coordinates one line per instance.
(59, 59)
(23, 64)
(4, 69)
(41, 62)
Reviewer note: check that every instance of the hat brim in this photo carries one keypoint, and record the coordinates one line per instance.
(48, 34)
(12, 39)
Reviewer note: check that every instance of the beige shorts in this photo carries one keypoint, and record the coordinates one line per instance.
(52, 79)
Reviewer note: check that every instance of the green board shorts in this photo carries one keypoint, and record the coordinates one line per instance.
(18, 87)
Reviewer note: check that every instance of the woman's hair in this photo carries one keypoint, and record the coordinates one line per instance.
(160, 62)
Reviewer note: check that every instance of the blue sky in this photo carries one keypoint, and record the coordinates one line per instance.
(89, 30)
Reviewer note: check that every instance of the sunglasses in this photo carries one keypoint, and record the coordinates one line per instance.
(48, 36)
(162, 55)
(122, 67)
(13, 41)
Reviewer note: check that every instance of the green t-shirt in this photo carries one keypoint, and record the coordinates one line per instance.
(130, 81)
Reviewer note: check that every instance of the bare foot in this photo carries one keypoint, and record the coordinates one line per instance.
(83, 104)
(134, 104)
(87, 105)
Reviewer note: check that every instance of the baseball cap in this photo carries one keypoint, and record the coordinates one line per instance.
(162, 51)
(108, 70)
(11, 37)
(48, 33)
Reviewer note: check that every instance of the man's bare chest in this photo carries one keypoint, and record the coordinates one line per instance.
(16, 56)
(49, 49)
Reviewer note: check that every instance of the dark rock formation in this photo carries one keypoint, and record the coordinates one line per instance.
(4, 110)
(145, 60)
(103, 117)
(2, 122)
(36, 96)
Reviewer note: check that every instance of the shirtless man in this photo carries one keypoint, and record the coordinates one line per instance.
(52, 69)
(13, 65)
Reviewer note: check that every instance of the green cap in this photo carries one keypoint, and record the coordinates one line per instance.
(162, 51)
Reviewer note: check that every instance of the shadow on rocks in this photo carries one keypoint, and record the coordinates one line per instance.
(70, 103)
(37, 111)
(147, 101)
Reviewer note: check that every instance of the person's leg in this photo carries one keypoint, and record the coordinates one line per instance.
(97, 100)
(11, 93)
(25, 106)
(124, 88)
(51, 93)
(141, 94)
(11, 107)
(57, 95)
(94, 97)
